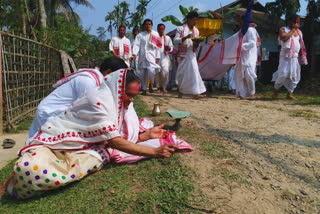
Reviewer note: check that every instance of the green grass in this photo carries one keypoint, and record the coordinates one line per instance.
(264, 92)
(23, 125)
(215, 150)
(229, 176)
(149, 186)
(141, 108)
(306, 113)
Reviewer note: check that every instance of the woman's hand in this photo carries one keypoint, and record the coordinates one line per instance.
(158, 132)
(165, 151)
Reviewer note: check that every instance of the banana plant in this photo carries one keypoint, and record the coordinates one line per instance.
(184, 11)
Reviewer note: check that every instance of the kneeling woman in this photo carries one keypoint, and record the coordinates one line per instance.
(99, 127)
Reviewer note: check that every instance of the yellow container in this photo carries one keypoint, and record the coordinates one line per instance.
(208, 26)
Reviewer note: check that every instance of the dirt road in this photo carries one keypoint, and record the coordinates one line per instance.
(8, 154)
(275, 153)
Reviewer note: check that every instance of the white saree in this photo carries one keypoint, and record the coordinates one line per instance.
(75, 143)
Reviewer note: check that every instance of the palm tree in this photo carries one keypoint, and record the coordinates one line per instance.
(64, 6)
(141, 11)
(122, 10)
(112, 20)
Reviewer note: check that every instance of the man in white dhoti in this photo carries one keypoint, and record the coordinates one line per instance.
(120, 46)
(163, 72)
(292, 54)
(70, 88)
(188, 76)
(245, 73)
(147, 47)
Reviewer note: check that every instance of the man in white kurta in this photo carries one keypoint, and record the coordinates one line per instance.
(292, 54)
(167, 46)
(120, 46)
(245, 73)
(146, 48)
(70, 88)
(188, 76)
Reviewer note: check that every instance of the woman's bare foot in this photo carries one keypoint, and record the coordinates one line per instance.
(239, 98)
(164, 91)
(4, 185)
(252, 97)
(180, 95)
(291, 97)
(199, 96)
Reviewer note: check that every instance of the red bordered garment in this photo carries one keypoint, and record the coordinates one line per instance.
(94, 118)
(183, 48)
(85, 72)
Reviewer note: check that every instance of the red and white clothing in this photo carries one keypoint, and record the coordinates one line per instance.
(292, 54)
(188, 76)
(165, 62)
(121, 47)
(75, 143)
(245, 73)
(68, 89)
(147, 48)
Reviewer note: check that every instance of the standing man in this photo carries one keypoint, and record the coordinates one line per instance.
(120, 46)
(245, 72)
(163, 72)
(147, 46)
(188, 76)
(292, 54)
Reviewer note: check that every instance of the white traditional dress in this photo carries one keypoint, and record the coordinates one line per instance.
(68, 89)
(147, 48)
(245, 73)
(165, 62)
(75, 143)
(188, 76)
(231, 81)
(292, 54)
(122, 48)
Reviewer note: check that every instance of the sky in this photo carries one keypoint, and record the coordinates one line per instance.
(157, 9)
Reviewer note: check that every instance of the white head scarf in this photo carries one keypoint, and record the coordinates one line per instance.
(95, 117)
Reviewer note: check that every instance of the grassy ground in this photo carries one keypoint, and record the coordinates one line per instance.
(150, 186)
(23, 125)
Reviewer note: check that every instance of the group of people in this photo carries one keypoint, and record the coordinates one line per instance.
(150, 58)
(89, 119)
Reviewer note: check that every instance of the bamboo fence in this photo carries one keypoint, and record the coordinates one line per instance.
(29, 69)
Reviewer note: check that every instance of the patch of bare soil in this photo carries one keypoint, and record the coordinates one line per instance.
(274, 161)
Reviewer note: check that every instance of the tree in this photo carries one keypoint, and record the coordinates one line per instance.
(311, 26)
(101, 33)
(64, 6)
(138, 15)
(283, 7)
(121, 11)
(184, 11)
(111, 19)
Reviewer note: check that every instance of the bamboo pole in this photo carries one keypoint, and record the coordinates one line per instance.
(1, 95)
